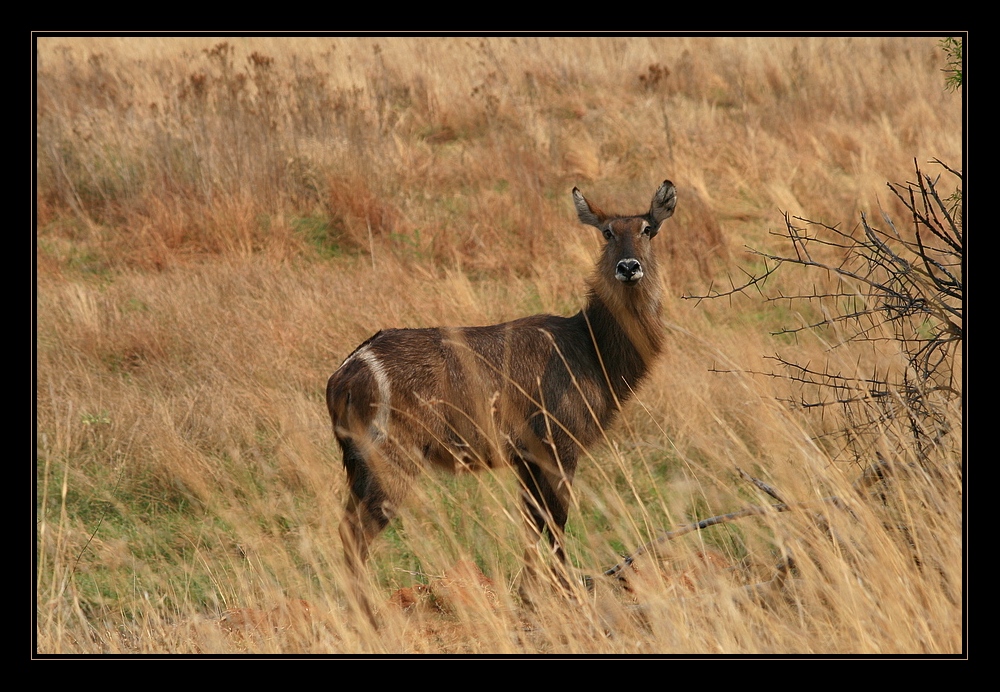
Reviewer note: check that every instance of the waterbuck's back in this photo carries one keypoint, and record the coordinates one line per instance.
(473, 396)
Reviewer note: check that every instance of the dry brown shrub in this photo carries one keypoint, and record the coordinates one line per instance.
(359, 212)
(293, 613)
(463, 588)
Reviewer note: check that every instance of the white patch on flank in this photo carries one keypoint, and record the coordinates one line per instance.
(380, 426)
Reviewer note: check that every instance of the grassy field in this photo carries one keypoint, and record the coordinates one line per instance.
(219, 223)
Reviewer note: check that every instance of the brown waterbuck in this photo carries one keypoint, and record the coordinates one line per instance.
(532, 393)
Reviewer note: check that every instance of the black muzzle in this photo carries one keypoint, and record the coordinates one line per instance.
(628, 271)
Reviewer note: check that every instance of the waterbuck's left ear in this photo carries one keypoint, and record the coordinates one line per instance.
(590, 215)
(663, 204)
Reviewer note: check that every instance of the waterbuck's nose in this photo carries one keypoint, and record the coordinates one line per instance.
(628, 270)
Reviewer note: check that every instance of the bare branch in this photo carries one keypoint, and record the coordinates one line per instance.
(883, 285)
(755, 281)
(760, 484)
(664, 536)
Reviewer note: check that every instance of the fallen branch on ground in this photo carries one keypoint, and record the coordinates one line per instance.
(755, 510)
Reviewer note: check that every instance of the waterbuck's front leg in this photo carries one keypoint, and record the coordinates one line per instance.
(545, 492)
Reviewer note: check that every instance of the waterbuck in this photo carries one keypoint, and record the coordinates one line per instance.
(532, 393)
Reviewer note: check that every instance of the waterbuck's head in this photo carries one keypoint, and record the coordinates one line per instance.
(627, 252)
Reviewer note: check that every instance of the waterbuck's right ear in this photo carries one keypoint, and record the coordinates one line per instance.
(663, 204)
(592, 216)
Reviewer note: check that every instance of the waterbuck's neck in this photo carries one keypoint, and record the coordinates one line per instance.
(627, 329)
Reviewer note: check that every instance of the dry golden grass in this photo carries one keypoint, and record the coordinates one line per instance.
(219, 224)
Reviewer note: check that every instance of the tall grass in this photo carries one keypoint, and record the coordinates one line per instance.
(221, 222)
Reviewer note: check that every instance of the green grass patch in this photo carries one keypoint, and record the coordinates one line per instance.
(320, 234)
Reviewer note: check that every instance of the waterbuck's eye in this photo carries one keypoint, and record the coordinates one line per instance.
(608, 233)
(646, 229)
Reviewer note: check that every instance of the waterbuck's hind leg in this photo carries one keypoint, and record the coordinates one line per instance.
(355, 542)
(364, 519)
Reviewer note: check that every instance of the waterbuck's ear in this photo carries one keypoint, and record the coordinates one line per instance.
(663, 204)
(592, 216)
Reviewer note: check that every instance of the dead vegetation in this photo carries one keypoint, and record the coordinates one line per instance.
(219, 223)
